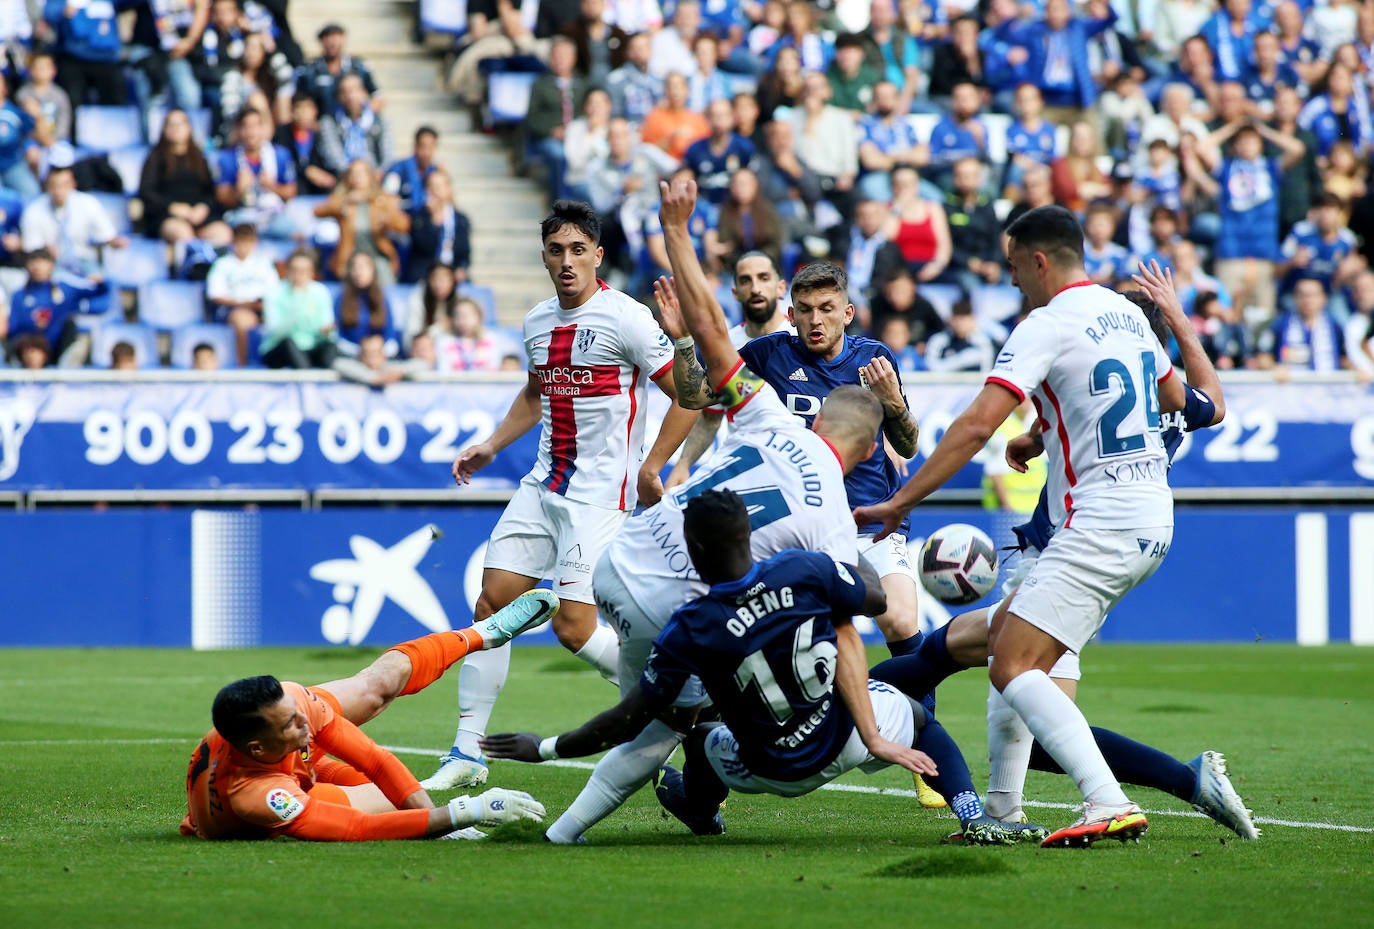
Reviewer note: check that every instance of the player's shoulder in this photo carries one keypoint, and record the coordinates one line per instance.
(766, 346)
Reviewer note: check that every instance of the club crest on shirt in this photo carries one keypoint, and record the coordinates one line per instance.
(585, 339)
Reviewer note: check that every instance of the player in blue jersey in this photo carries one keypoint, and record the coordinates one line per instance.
(773, 643)
(963, 642)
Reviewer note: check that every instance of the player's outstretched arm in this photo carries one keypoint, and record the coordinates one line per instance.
(620, 723)
(851, 680)
(701, 312)
(1197, 367)
(524, 414)
(698, 441)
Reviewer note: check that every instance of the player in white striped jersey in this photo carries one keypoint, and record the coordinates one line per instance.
(791, 478)
(592, 350)
(1100, 379)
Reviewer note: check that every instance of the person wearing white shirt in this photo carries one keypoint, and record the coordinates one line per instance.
(71, 224)
(238, 283)
(672, 45)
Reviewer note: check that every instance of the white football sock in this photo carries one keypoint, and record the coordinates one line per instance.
(1009, 748)
(1063, 732)
(602, 652)
(480, 679)
(623, 770)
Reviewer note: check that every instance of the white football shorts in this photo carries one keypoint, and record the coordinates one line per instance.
(636, 629)
(1067, 667)
(887, 557)
(897, 715)
(1083, 574)
(542, 534)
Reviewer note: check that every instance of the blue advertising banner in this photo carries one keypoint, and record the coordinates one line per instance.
(98, 435)
(350, 576)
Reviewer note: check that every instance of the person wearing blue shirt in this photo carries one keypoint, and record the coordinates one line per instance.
(1317, 248)
(361, 309)
(886, 139)
(49, 307)
(406, 178)
(1230, 34)
(1058, 47)
(960, 134)
(15, 126)
(774, 646)
(1267, 72)
(1341, 111)
(254, 179)
(1031, 139)
(1104, 260)
(718, 156)
(804, 369)
(88, 50)
(1306, 339)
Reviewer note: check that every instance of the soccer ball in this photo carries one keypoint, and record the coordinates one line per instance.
(958, 564)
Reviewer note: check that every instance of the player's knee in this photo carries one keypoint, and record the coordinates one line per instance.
(573, 631)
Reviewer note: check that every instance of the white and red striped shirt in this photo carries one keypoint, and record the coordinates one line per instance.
(1091, 363)
(593, 363)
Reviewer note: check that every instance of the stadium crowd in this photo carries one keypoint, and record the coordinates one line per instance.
(183, 164)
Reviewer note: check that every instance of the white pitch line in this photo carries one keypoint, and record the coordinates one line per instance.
(843, 788)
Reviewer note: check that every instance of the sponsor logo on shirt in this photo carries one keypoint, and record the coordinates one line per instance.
(798, 375)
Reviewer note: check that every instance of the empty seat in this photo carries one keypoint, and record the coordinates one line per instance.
(942, 297)
(165, 304)
(141, 261)
(200, 124)
(106, 128)
(508, 96)
(449, 17)
(128, 164)
(483, 295)
(117, 208)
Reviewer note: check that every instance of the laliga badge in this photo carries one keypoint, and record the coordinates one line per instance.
(284, 804)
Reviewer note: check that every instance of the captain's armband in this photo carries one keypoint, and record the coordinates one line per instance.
(739, 387)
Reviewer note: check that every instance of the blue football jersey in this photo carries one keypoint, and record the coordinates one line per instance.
(803, 380)
(764, 647)
(1197, 413)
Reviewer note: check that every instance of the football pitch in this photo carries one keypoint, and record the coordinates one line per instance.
(94, 744)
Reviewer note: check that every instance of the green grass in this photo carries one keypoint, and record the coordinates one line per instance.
(88, 828)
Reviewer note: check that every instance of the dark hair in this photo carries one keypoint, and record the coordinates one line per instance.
(755, 253)
(42, 252)
(1329, 199)
(168, 161)
(1202, 301)
(32, 340)
(245, 231)
(962, 307)
(237, 710)
(305, 253)
(848, 40)
(122, 350)
(576, 213)
(303, 96)
(821, 275)
(1153, 314)
(242, 116)
(1051, 229)
(716, 514)
(426, 131)
(433, 308)
(350, 303)
(1162, 210)
(203, 347)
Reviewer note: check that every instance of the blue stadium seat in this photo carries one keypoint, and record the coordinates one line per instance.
(924, 124)
(141, 261)
(941, 296)
(483, 295)
(998, 303)
(398, 297)
(128, 163)
(444, 16)
(200, 124)
(171, 304)
(117, 208)
(106, 335)
(508, 96)
(186, 338)
(301, 212)
(106, 128)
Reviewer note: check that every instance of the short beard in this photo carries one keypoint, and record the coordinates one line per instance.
(760, 316)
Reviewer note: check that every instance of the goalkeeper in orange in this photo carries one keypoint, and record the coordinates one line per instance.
(264, 769)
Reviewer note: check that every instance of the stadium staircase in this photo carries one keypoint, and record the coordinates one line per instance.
(505, 210)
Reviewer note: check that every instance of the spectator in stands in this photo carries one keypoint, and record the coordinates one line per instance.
(584, 141)
(219, 50)
(298, 319)
(46, 102)
(1157, 243)
(204, 358)
(622, 187)
(671, 48)
(747, 223)
(918, 227)
(600, 45)
(1031, 140)
(975, 232)
(895, 333)
(634, 90)
(672, 125)
(1323, 249)
(69, 223)
(1266, 73)
(470, 346)
(893, 53)
(238, 283)
(1247, 186)
(1076, 177)
(555, 100)
(1307, 338)
(786, 182)
(1345, 177)
(1058, 64)
(1175, 117)
(368, 219)
(1230, 33)
(518, 35)
(255, 178)
(1331, 25)
(15, 126)
(301, 140)
(361, 309)
(1175, 21)
(1196, 70)
(717, 157)
(1220, 331)
(1296, 50)
(783, 85)
(47, 307)
(1190, 280)
(851, 79)
(431, 305)
(372, 367)
(166, 34)
(353, 131)
(1339, 109)
(178, 190)
(898, 296)
(439, 232)
(865, 252)
(1303, 182)
(405, 179)
(706, 82)
(1359, 328)
(800, 33)
(88, 51)
(827, 143)
(959, 134)
(1232, 106)
(1037, 189)
(957, 60)
(887, 139)
(1105, 261)
(1125, 110)
(123, 357)
(962, 346)
(746, 106)
(1006, 62)
(258, 71)
(31, 351)
(321, 77)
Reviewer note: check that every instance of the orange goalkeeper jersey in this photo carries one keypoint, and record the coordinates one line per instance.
(232, 796)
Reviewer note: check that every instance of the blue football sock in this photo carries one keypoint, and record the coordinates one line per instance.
(1132, 763)
(905, 646)
(920, 673)
(953, 782)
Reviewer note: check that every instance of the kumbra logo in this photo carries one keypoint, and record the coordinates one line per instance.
(363, 584)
